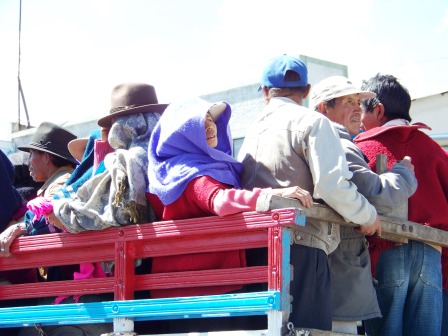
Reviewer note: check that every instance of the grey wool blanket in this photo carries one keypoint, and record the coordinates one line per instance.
(115, 197)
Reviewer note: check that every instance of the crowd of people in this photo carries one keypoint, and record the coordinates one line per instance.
(149, 161)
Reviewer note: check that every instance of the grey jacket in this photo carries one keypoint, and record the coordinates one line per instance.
(291, 145)
(385, 191)
(354, 296)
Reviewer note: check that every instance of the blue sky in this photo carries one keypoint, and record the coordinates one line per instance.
(75, 51)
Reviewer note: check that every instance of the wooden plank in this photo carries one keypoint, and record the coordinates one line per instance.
(391, 226)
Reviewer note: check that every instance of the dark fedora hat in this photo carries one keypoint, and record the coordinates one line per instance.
(52, 139)
(130, 98)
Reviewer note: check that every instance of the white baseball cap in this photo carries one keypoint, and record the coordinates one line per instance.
(334, 87)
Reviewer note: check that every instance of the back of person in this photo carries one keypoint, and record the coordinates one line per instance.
(274, 155)
(192, 174)
(183, 178)
(9, 197)
(270, 142)
(408, 276)
(431, 167)
(289, 145)
(354, 296)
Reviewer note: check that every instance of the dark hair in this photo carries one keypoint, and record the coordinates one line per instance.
(394, 96)
(60, 162)
(287, 91)
(331, 103)
(291, 76)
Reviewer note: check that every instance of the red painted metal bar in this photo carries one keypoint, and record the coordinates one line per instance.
(258, 274)
(62, 256)
(157, 230)
(57, 288)
(248, 275)
(124, 244)
(124, 271)
(233, 241)
(274, 262)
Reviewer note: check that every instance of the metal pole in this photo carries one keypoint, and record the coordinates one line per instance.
(20, 94)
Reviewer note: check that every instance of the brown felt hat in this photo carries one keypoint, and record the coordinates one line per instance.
(130, 98)
(52, 139)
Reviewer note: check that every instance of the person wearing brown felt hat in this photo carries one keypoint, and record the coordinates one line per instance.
(131, 98)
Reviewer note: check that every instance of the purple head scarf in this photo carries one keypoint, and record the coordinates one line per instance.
(178, 150)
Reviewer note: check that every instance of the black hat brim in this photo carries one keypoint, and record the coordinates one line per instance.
(31, 146)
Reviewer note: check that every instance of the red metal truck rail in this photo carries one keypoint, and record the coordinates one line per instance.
(124, 245)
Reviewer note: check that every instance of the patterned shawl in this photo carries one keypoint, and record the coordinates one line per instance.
(116, 196)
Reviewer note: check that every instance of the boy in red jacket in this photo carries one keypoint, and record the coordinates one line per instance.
(408, 276)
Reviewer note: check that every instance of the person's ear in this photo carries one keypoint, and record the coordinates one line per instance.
(265, 91)
(321, 108)
(380, 116)
(47, 157)
(307, 92)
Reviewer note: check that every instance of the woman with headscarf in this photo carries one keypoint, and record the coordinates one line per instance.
(191, 174)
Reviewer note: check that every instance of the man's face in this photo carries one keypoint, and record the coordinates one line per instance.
(37, 165)
(369, 119)
(211, 131)
(346, 112)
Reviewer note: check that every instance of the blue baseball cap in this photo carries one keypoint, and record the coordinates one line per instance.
(274, 73)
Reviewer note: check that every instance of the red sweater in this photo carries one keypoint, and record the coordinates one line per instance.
(196, 201)
(429, 205)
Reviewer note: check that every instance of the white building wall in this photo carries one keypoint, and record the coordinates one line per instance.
(433, 111)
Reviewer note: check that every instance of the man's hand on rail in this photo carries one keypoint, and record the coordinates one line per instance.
(407, 163)
(295, 192)
(372, 229)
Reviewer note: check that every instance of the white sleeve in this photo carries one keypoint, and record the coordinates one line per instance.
(331, 175)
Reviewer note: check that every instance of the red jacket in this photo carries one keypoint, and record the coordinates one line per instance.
(195, 201)
(429, 205)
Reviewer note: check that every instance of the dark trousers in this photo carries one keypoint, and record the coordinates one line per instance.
(310, 288)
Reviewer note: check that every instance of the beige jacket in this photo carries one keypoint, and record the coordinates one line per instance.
(291, 145)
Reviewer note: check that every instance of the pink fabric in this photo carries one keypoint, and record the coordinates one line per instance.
(231, 201)
(101, 149)
(89, 271)
(40, 206)
(86, 271)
